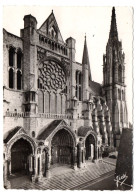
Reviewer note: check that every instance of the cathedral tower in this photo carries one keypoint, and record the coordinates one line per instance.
(114, 80)
(86, 72)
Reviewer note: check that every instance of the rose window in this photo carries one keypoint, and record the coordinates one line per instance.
(51, 76)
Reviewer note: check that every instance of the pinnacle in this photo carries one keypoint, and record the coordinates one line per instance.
(85, 59)
(113, 30)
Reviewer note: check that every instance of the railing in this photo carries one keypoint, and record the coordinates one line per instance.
(38, 115)
(49, 115)
(16, 114)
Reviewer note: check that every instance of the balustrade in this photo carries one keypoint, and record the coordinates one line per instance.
(43, 115)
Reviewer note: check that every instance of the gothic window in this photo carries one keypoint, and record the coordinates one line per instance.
(52, 46)
(27, 97)
(33, 133)
(19, 59)
(11, 78)
(40, 102)
(55, 47)
(38, 83)
(33, 96)
(66, 51)
(51, 76)
(123, 95)
(120, 73)
(19, 80)
(42, 39)
(105, 76)
(119, 94)
(121, 113)
(106, 95)
(78, 85)
(79, 93)
(76, 90)
(11, 56)
(49, 44)
(52, 33)
(51, 79)
(80, 78)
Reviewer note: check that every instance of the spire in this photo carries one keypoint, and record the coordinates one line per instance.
(85, 59)
(113, 29)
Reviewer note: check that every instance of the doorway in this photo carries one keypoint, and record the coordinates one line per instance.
(20, 153)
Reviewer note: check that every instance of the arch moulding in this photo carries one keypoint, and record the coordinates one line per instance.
(58, 129)
(16, 138)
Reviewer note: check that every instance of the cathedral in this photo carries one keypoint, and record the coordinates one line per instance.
(54, 114)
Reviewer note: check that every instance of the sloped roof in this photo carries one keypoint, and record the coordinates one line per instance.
(11, 133)
(51, 20)
(95, 88)
(82, 131)
(47, 130)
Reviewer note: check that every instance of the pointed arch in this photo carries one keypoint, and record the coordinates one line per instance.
(47, 102)
(119, 94)
(78, 91)
(116, 115)
(121, 113)
(11, 56)
(66, 128)
(40, 101)
(11, 78)
(19, 80)
(19, 59)
(120, 73)
(52, 103)
(58, 103)
(125, 114)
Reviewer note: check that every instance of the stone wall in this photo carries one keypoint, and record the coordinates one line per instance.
(11, 122)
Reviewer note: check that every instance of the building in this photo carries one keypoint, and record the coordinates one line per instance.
(53, 112)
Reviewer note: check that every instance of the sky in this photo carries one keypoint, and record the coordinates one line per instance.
(75, 22)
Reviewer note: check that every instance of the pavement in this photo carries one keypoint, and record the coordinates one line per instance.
(110, 160)
(104, 183)
(65, 178)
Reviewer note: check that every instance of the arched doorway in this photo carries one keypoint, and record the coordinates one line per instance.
(90, 147)
(20, 156)
(62, 148)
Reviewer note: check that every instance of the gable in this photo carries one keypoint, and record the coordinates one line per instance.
(10, 134)
(50, 29)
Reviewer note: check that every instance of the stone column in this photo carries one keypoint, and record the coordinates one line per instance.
(9, 167)
(36, 166)
(30, 164)
(6, 182)
(95, 153)
(34, 176)
(40, 173)
(33, 163)
(47, 166)
(79, 155)
(83, 162)
(92, 151)
(100, 152)
(74, 155)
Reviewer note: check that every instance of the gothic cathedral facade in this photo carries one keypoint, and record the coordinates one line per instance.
(53, 112)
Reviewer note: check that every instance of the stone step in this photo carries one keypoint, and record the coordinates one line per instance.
(71, 179)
